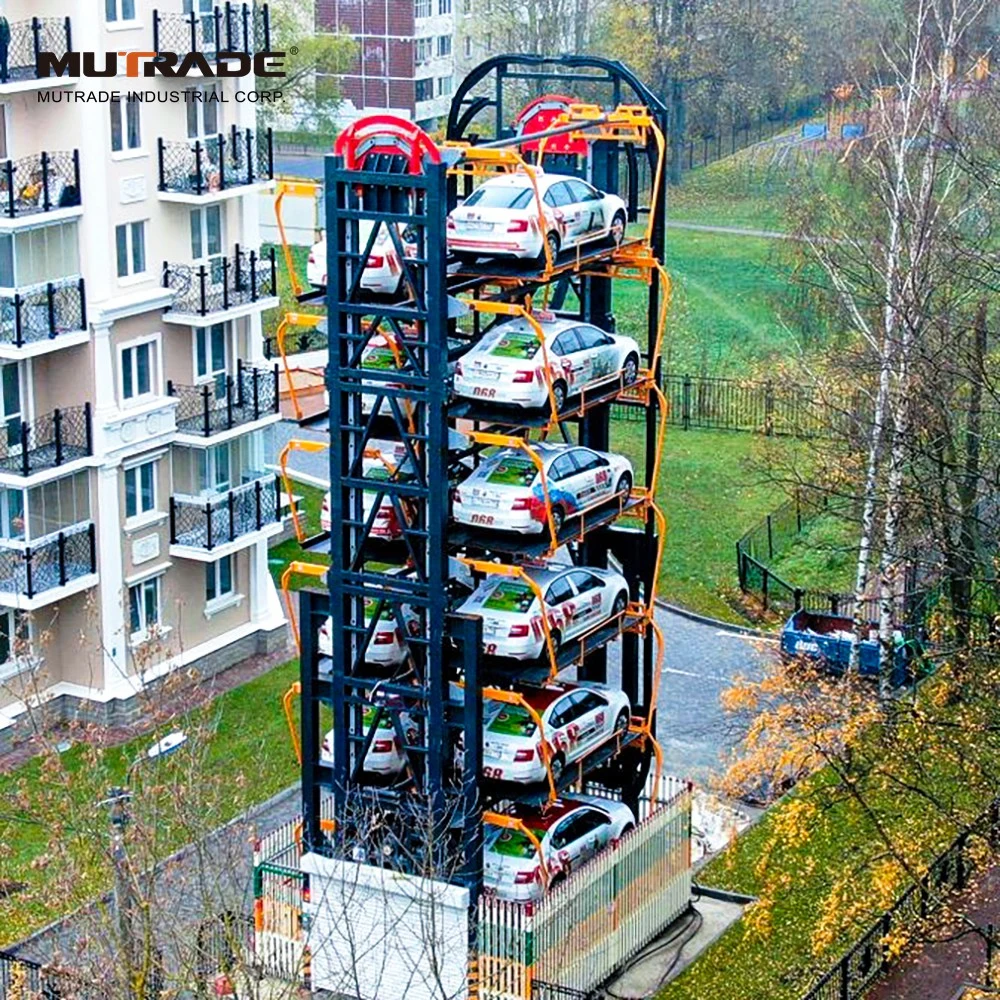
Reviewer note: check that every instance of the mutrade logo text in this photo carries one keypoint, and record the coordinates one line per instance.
(170, 64)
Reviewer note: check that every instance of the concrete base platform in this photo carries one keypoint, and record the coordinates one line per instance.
(674, 950)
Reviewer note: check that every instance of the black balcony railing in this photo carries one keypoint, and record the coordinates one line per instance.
(229, 27)
(216, 163)
(227, 402)
(222, 283)
(206, 524)
(39, 183)
(53, 561)
(46, 442)
(27, 39)
(43, 312)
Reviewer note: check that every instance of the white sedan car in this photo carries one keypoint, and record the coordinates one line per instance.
(386, 755)
(379, 467)
(577, 599)
(383, 272)
(505, 492)
(501, 217)
(571, 830)
(507, 365)
(576, 719)
(388, 644)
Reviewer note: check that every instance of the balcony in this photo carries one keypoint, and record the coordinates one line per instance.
(221, 289)
(228, 403)
(200, 170)
(207, 529)
(27, 38)
(48, 568)
(43, 318)
(48, 442)
(231, 27)
(41, 184)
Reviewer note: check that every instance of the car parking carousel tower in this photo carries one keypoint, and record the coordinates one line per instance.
(484, 809)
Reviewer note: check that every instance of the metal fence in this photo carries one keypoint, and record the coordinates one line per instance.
(224, 517)
(226, 402)
(24, 979)
(216, 163)
(43, 312)
(53, 561)
(228, 27)
(40, 182)
(868, 959)
(221, 283)
(46, 442)
(27, 39)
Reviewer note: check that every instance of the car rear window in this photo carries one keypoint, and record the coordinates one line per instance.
(387, 615)
(518, 470)
(512, 844)
(510, 595)
(519, 344)
(512, 720)
(500, 196)
(379, 358)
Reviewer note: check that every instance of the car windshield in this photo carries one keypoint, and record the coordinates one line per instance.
(500, 196)
(521, 344)
(510, 595)
(517, 470)
(512, 720)
(511, 844)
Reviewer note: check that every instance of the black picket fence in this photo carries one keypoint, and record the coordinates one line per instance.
(869, 958)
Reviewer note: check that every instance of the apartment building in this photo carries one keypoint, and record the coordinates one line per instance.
(405, 61)
(135, 509)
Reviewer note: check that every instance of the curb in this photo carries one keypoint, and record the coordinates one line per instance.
(693, 616)
(724, 895)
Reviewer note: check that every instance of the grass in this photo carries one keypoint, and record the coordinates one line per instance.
(287, 300)
(290, 550)
(823, 557)
(239, 744)
(710, 495)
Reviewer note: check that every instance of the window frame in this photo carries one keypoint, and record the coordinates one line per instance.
(131, 276)
(117, 112)
(423, 82)
(135, 470)
(144, 633)
(443, 46)
(156, 367)
(213, 582)
(119, 20)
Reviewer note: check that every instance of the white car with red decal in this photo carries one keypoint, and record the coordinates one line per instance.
(388, 643)
(507, 365)
(501, 217)
(386, 754)
(383, 271)
(570, 831)
(577, 599)
(379, 466)
(506, 492)
(576, 719)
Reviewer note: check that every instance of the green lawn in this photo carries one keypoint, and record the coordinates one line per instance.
(239, 753)
(823, 557)
(288, 302)
(710, 494)
(290, 550)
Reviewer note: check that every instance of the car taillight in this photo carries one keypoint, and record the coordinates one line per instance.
(518, 226)
(522, 503)
(382, 746)
(458, 368)
(523, 756)
(312, 258)
(456, 495)
(383, 638)
(451, 223)
(518, 632)
(536, 505)
(376, 261)
(526, 878)
(324, 629)
(326, 503)
(524, 376)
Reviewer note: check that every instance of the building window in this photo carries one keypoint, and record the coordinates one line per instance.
(119, 10)
(468, 46)
(140, 489)
(444, 45)
(444, 6)
(137, 370)
(130, 248)
(422, 8)
(206, 232)
(144, 608)
(37, 256)
(202, 104)
(13, 634)
(219, 579)
(422, 50)
(445, 85)
(125, 133)
(424, 89)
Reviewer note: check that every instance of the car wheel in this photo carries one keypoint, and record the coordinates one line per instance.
(630, 370)
(559, 395)
(626, 830)
(552, 241)
(556, 880)
(558, 519)
(618, 224)
(621, 723)
(621, 603)
(624, 484)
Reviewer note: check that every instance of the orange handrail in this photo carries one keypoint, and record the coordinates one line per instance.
(306, 569)
(296, 444)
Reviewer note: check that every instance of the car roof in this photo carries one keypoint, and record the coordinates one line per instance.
(550, 327)
(539, 819)
(520, 179)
